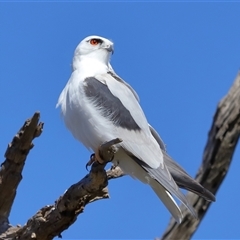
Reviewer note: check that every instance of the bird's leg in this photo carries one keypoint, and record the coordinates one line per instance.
(98, 156)
(95, 157)
(105, 152)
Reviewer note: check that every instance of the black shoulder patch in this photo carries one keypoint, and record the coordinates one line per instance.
(108, 105)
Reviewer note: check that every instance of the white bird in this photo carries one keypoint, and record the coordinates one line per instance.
(98, 106)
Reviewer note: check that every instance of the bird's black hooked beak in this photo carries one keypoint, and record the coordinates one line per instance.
(110, 48)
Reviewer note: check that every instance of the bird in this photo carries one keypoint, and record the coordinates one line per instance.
(98, 106)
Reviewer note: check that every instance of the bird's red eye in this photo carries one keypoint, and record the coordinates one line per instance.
(94, 41)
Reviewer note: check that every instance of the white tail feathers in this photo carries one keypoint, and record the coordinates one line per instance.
(167, 200)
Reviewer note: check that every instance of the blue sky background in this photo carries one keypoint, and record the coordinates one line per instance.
(181, 58)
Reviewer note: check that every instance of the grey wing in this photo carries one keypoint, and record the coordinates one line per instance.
(144, 153)
(185, 181)
(164, 179)
(180, 176)
(116, 77)
(137, 138)
(109, 106)
(158, 138)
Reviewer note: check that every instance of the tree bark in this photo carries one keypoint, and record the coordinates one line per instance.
(51, 220)
(11, 168)
(222, 140)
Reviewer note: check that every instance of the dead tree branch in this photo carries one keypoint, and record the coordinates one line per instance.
(11, 168)
(222, 140)
(51, 220)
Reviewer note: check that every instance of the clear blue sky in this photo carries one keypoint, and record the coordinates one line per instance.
(181, 58)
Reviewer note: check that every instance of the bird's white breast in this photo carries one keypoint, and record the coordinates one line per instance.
(79, 114)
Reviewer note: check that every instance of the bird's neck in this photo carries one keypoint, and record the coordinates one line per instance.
(89, 66)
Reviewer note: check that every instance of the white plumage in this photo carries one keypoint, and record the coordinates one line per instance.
(98, 106)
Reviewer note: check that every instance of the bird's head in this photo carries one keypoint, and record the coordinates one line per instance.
(95, 47)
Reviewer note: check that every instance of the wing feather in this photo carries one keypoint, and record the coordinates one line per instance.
(141, 146)
(180, 176)
(140, 143)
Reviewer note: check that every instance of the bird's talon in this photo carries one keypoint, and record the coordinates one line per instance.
(91, 161)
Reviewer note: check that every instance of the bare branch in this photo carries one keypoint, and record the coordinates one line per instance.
(222, 140)
(114, 172)
(11, 168)
(51, 220)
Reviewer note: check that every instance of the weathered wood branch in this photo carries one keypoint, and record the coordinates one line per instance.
(51, 220)
(222, 140)
(114, 172)
(11, 168)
